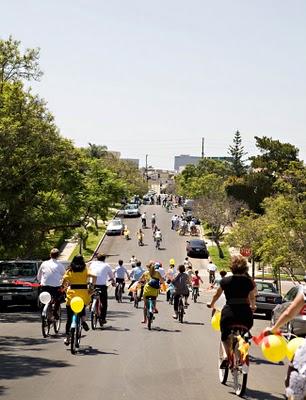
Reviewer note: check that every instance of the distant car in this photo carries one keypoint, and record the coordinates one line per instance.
(197, 248)
(297, 326)
(115, 227)
(131, 210)
(190, 217)
(188, 204)
(267, 297)
(18, 283)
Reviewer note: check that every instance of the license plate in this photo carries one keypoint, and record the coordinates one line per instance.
(7, 297)
(197, 249)
(261, 298)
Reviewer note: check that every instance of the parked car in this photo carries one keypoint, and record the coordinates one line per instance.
(267, 297)
(18, 283)
(131, 210)
(297, 326)
(197, 248)
(115, 227)
(189, 216)
(187, 205)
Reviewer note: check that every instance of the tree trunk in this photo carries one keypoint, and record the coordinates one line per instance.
(221, 254)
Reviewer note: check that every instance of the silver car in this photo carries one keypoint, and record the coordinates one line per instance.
(297, 326)
(115, 227)
(131, 210)
(267, 297)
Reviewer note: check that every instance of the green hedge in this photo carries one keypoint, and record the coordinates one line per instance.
(221, 263)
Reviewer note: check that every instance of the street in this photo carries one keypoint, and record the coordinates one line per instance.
(124, 360)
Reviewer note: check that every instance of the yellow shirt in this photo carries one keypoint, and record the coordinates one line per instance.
(77, 278)
(148, 290)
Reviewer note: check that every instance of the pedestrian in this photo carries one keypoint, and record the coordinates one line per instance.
(173, 219)
(212, 268)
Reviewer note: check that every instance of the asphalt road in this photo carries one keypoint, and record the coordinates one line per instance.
(124, 360)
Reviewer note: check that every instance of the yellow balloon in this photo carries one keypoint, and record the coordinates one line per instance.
(215, 321)
(274, 348)
(77, 304)
(292, 347)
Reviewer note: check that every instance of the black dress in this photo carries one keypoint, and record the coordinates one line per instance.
(237, 310)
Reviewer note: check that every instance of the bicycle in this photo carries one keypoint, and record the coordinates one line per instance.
(195, 294)
(212, 277)
(95, 309)
(75, 333)
(48, 318)
(150, 304)
(119, 291)
(137, 297)
(238, 362)
(181, 309)
(157, 243)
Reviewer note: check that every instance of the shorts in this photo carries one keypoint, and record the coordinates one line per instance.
(235, 315)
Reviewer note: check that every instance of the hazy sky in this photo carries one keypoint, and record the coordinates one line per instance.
(153, 77)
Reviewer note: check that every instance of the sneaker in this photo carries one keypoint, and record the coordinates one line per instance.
(85, 326)
(67, 340)
(175, 316)
(144, 321)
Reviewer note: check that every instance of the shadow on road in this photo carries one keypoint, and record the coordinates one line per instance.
(90, 351)
(118, 314)
(20, 366)
(114, 329)
(259, 395)
(158, 329)
(194, 323)
(19, 314)
(7, 343)
(259, 361)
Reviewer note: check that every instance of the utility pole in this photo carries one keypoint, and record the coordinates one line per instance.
(147, 167)
(202, 147)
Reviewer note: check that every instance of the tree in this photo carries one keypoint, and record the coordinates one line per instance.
(15, 66)
(275, 157)
(237, 152)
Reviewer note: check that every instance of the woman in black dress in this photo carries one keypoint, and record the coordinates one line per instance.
(239, 290)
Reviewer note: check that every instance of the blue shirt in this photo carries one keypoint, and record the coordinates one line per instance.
(136, 273)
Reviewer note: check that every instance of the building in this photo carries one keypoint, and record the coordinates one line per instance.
(185, 159)
(132, 160)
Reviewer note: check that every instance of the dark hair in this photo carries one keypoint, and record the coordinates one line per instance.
(101, 257)
(239, 265)
(78, 263)
(223, 273)
(196, 272)
(138, 264)
(54, 253)
(120, 262)
(181, 268)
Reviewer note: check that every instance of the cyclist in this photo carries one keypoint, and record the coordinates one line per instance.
(195, 280)
(181, 283)
(135, 275)
(76, 280)
(296, 377)
(169, 277)
(50, 275)
(126, 232)
(133, 261)
(239, 290)
(152, 280)
(158, 237)
(212, 268)
(153, 220)
(187, 263)
(120, 272)
(103, 273)
(160, 269)
(144, 219)
(140, 237)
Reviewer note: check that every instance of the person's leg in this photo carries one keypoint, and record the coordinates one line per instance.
(144, 310)
(103, 298)
(68, 324)
(175, 305)
(186, 298)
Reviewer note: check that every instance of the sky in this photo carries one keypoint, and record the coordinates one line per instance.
(154, 77)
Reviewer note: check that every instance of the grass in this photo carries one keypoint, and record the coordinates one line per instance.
(91, 244)
(221, 263)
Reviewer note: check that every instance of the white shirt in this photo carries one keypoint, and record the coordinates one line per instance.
(50, 273)
(212, 267)
(158, 235)
(143, 216)
(120, 272)
(162, 272)
(102, 271)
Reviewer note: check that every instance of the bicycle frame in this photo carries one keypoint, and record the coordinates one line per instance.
(95, 309)
(48, 318)
(150, 304)
(76, 331)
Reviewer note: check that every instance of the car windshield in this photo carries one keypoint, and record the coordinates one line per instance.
(131, 207)
(116, 222)
(197, 243)
(265, 287)
(17, 270)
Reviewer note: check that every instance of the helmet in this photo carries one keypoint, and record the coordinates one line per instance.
(172, 261)
(157, 265)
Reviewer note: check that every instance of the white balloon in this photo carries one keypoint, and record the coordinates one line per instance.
(45, 297)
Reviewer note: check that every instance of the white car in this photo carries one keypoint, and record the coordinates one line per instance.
(115, 227)
(131, 210)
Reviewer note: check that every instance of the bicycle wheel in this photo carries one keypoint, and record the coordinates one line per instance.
(119, 293)
(135, 300)
(223, 372)
(149, 320)
(45, 326)
(239, 376)
(94, 315)
(149, 313)
(73, 340)
(57, 321)
(78, 335)
(195, 295)
(181, 311)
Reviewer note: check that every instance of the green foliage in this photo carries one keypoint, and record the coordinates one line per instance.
(221, 263)
(237, 152)
(93, 239)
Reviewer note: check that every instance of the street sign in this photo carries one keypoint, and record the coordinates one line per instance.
(246, 251)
